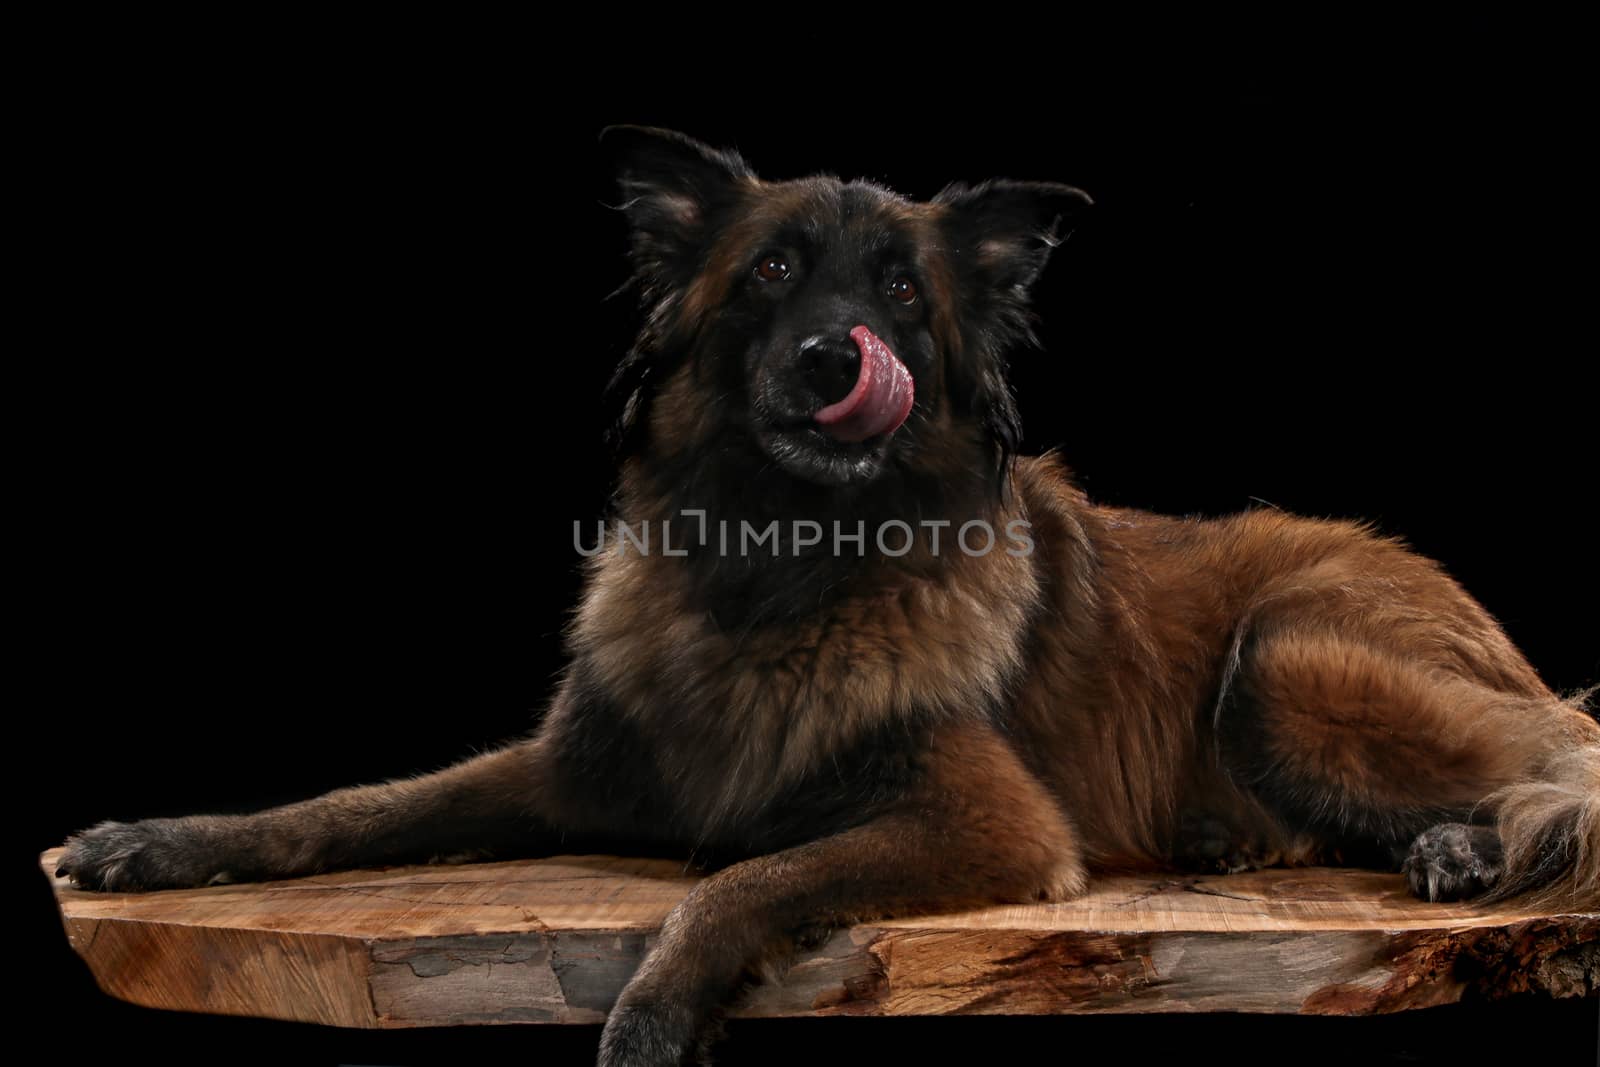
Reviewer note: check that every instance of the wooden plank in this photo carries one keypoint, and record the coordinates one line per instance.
(554, 940)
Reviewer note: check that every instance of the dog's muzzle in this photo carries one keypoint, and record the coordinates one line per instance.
(880, 399)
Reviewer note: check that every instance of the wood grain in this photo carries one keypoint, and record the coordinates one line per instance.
(554, 940)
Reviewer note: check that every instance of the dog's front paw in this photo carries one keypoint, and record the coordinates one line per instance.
(1453, 861)
(133, 857)
(1212, 844)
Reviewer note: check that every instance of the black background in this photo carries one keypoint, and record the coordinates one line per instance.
(321, 407)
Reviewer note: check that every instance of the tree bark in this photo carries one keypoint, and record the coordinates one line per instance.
(554, 940)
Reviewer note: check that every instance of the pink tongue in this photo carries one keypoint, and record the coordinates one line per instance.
(881, 398)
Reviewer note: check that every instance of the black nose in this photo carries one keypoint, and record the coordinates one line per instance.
(830, 365)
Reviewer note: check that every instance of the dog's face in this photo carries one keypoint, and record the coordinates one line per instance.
(833, 316)
(832, 326)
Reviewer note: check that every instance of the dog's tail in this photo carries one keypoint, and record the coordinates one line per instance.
(1550, 823)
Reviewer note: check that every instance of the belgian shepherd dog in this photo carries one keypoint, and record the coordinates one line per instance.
(941, 677)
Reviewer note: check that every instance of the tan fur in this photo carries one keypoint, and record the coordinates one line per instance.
(788, 699)
(764, 204)
(940, 729)
(1378, 675)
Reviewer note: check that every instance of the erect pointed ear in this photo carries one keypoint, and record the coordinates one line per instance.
(674, 188)
(1002, 232)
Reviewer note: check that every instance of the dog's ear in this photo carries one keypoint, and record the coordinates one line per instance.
(999, 235)
(673, 188)
(1001, 232)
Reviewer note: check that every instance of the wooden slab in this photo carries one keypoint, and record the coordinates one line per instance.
(554, 940)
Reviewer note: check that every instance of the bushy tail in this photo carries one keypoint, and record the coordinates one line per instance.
(1550, 825)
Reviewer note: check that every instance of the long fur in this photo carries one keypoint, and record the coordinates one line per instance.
(861, 734)
(1549, 826)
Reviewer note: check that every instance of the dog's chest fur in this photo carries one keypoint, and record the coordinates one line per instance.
(738, 719)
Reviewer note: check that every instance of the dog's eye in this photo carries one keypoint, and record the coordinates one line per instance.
(904, 290)
(772, 268)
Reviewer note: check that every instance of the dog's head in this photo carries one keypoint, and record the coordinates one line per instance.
(834, 329)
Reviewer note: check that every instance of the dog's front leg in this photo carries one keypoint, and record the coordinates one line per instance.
(978, 828)
(475, 803)
(524, 797)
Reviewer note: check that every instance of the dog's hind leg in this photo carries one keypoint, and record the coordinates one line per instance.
(1479, 789)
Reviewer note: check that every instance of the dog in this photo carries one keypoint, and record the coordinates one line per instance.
(854, 653)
